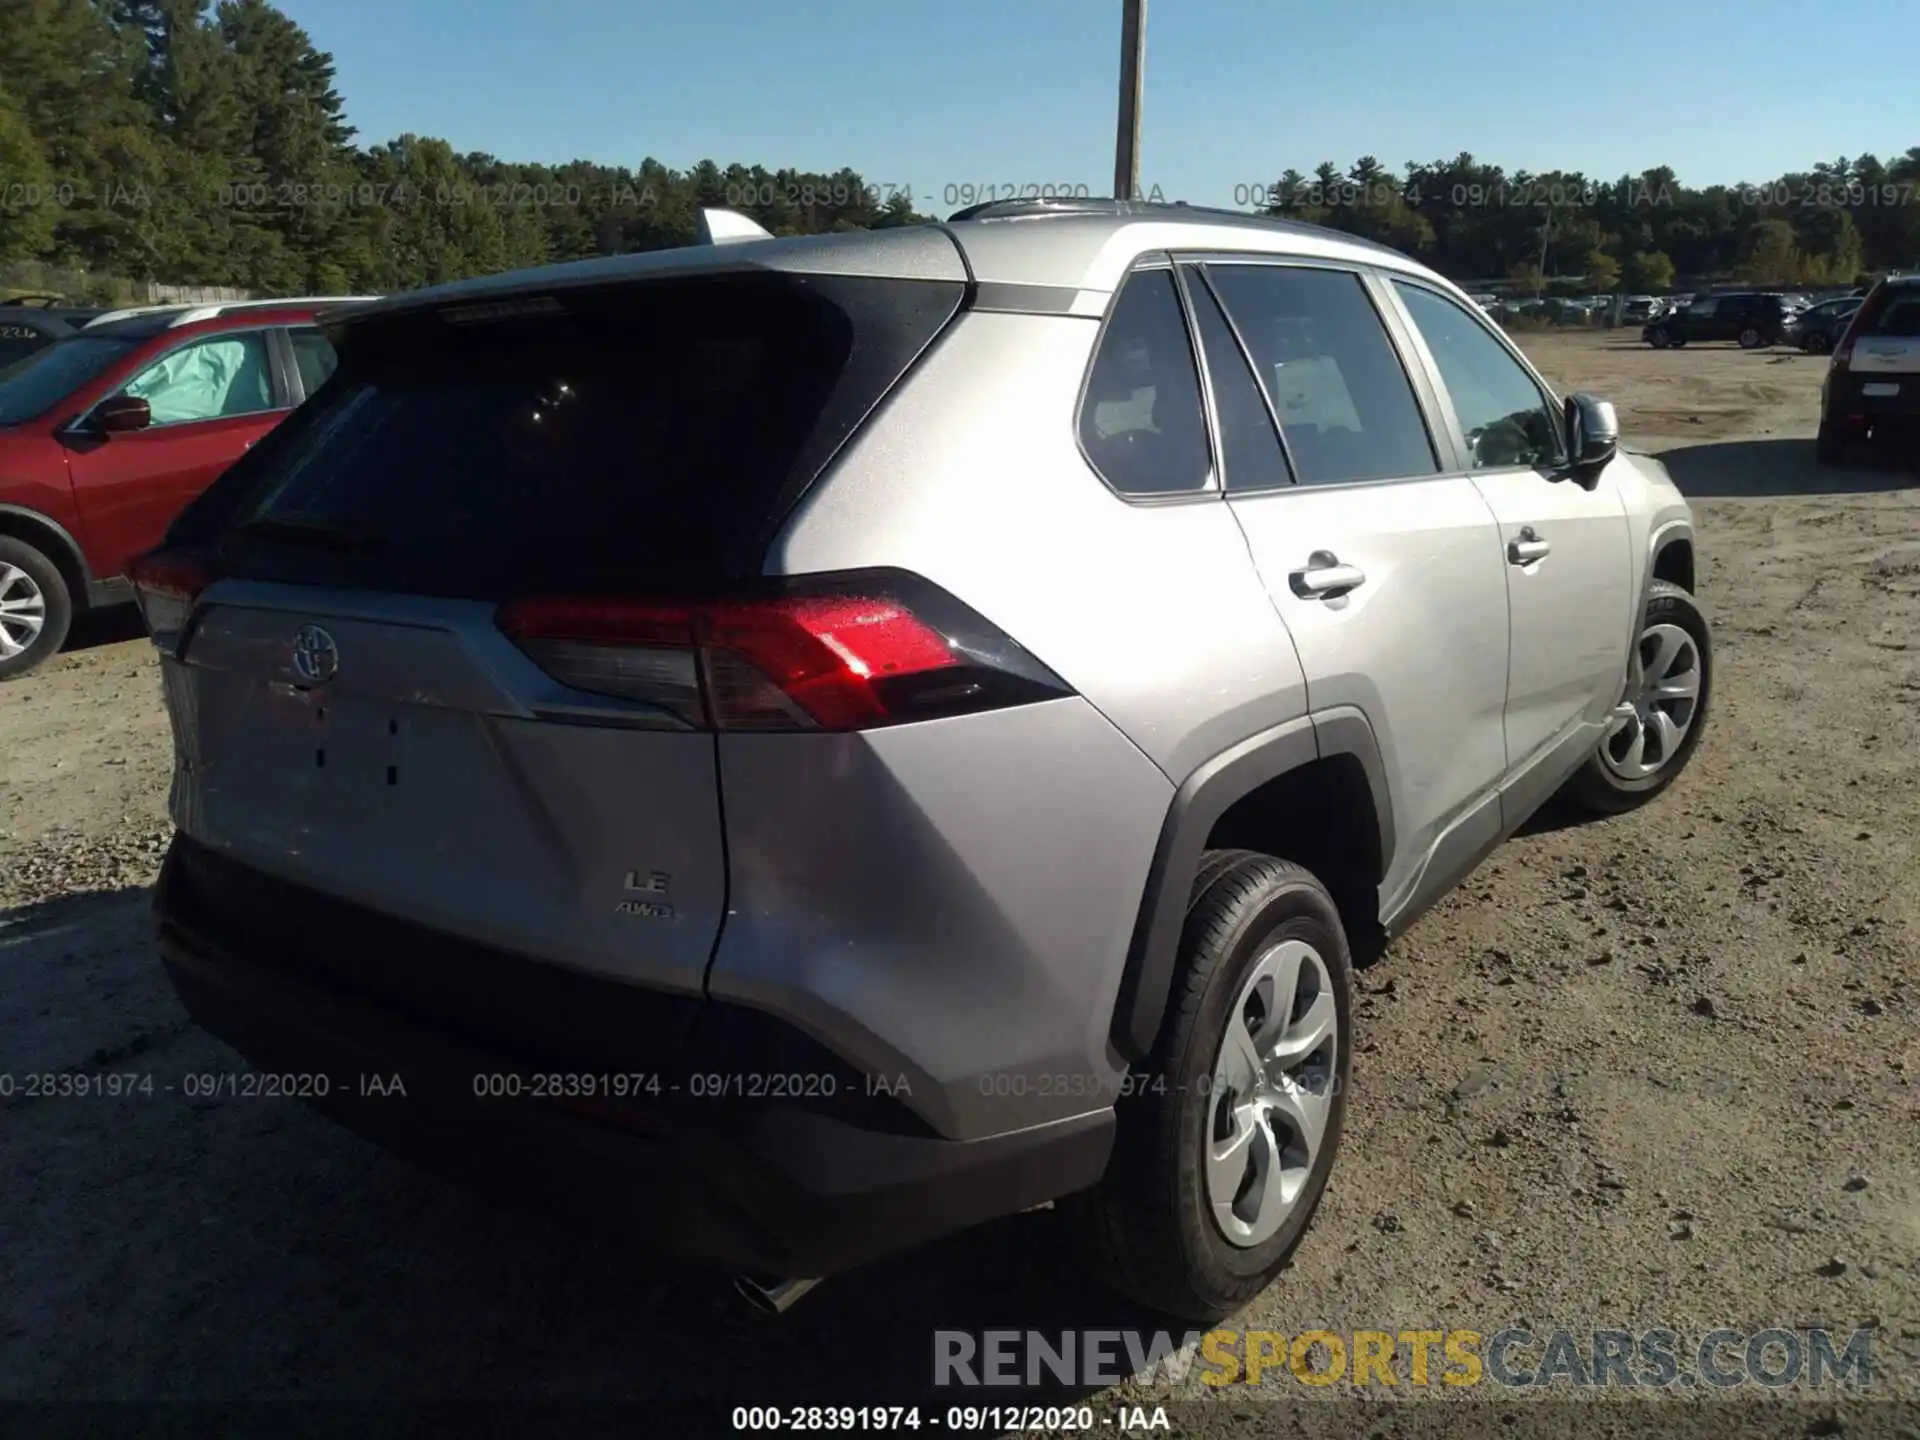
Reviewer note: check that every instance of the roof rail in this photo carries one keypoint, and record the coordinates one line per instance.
(186, 313)
(1078, 205)
(1158, 210)
(126, 314)
(197, 313)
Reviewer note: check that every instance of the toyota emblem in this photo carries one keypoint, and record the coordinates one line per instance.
(315, 656)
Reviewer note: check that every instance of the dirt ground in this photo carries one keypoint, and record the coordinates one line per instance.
(1655, 1071)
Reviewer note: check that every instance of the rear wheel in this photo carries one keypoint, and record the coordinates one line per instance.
(1652, 732)
(1659, 340)
(1829, 445)
(1751, 339)
(1817, 342)
(1229, 1131)
(35, 608)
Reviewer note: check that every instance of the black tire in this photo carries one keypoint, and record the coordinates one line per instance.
(1597, 788)
(1829, 446)
(1147, 1229)
(1659, 339)
(1817, 342)
(1751, 339)
(1676, 341)
(44, 576)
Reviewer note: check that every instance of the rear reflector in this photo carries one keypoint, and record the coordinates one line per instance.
(835, 653)
(167, 583)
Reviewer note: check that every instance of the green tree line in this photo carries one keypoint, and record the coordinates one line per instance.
(163, 140)
(169, 140)
(1834, 223)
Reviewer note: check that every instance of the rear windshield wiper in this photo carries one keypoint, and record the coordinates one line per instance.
(314, 530)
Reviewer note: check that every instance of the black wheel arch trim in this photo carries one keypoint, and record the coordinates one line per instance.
(1203, 797)
(62, 534)
(1671, 532)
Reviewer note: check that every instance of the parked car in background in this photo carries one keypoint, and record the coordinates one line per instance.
(1872, 389)
(1752, 318)
(57, 306)
(25, 331)
(1638, 309)
(107, 432)
(1818, 328)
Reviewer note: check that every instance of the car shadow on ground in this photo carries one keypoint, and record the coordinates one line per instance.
(1735, 469)
(109, 626)
(1559, 813)
(188, 1243)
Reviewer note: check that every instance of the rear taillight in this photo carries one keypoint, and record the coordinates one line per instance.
(167, 583)
(839, 653)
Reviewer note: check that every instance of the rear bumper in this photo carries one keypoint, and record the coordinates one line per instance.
(630, 1136)
(1847, 402)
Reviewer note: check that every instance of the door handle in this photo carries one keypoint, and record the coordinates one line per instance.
(1324, 577)
(1527, 547)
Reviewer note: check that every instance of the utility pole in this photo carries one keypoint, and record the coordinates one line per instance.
(1133, 62)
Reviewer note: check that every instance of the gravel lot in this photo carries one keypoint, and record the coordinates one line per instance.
(1660, 1070)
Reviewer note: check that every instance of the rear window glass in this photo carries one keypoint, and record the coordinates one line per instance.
(18, 346)
(641, 436)
(1898, 318)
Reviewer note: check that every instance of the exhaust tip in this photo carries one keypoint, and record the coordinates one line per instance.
(772, 1297)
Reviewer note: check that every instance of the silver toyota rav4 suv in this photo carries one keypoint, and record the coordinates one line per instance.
(800, 746)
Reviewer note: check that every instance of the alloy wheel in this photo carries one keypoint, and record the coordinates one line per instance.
(1272, 1093)
(23, 611)
(1648, 727)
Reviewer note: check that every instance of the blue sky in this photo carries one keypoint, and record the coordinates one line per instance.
(1021, 92)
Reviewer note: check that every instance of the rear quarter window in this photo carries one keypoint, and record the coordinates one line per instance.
(1141, 422)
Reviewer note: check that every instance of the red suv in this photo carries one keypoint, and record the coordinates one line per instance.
(107, 433)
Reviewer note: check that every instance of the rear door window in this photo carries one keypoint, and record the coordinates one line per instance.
(1141, 422)
(1346, 406)
(1250, 452)
(313, 356)
(641, 435)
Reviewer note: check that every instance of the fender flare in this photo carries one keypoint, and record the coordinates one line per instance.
(1202, 798)
(1676, 529)
(65, 536)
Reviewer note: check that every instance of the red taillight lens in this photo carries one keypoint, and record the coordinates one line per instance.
(834, 656)
(167, 583)
(828, 656)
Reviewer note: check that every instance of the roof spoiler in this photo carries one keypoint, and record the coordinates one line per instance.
(719, 226)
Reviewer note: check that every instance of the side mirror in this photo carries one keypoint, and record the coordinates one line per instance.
(1593, 432)
(120, 413)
